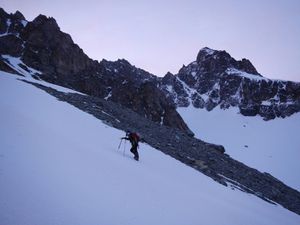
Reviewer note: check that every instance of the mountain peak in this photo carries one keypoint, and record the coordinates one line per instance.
(218, 61)
(205, 53)
(3, 13)
(211, 54)
(18, 15)
(208, 50)
(42, 19)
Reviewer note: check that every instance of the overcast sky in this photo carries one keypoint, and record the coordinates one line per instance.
(160, 36)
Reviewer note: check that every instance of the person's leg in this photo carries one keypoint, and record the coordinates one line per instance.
(136, 155)
(135, 152)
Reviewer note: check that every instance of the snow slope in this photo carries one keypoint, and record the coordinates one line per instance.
(61, 166)
(270, 146)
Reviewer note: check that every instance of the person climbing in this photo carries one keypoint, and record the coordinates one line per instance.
(134, 140)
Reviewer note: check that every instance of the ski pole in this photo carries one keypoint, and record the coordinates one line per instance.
(124, 148)
(120, 144)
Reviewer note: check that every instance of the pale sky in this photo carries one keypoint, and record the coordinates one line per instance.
(160, 36)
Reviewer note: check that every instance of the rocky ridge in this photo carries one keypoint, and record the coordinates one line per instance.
(214, 79)
(217, 79)
(41, 45)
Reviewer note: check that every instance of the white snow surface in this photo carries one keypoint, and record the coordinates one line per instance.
(208, 51)
(270, 146)
(15, 62)
(61, 166)
(24, 23)
(236, 72)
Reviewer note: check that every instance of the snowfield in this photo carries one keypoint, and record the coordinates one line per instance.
(61, 166)
(270, 146)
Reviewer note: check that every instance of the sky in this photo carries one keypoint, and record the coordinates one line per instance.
(160, 36)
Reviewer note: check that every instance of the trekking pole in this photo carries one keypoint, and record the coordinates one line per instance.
(120, 144)
(124, 148)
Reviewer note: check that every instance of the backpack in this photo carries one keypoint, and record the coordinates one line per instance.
(134, 137)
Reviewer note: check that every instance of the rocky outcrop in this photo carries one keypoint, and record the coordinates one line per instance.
(217, 79)
(212, 61)
(52, 51)
(43, 46)
(10, 28)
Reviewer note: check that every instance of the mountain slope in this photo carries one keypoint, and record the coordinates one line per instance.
(60, 165)
(40, 44)
(269, 146)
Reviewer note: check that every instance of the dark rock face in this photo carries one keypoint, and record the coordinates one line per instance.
(10, 26)
(218, 61)
(11, 45)
(11, 23)
(52, 51)
(246, 65)
(216, 79)
(42, 46)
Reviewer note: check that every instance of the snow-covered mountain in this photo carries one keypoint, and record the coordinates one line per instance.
(217, 79)
(40, 44)
(125, 97)
(60, 165)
